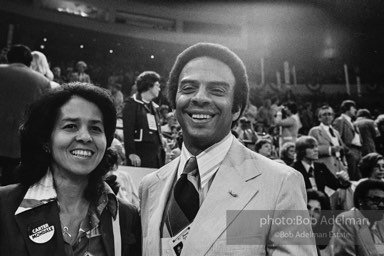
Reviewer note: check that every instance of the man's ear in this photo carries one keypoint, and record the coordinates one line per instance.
(236, 114)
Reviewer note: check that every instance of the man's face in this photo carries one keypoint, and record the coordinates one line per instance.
(312, 153)
(204, 102)
(326, 116)
(373, 205)
(352, 111)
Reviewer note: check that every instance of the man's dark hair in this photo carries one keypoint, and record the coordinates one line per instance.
(346, 105)
(319, 196)
(368, 162)
(41, 118)
(363, 113)
(217, 52)
(20, 54)
(291, 106)
(146, 81)
(260, 143)
(363, 188)
(302, 144)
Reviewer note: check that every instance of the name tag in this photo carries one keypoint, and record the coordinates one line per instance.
(151, 122)
(174, 245)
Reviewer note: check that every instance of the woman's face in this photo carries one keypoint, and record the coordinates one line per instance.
(378, 170)
(266, 150)
(291, 152)
(78, 141)
(314, 209)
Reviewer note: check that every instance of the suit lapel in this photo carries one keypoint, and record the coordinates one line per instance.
(325, 135)
(162, 186)
(230, 190)
(44, 218)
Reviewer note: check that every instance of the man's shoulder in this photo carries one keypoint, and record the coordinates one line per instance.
(314, 129)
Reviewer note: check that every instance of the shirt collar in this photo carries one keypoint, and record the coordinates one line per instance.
(307, 166)
(44, 192)
(209, 160)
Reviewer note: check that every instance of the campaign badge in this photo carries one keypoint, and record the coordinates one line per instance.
(42, 233)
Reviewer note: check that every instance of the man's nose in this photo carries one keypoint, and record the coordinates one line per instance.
(201, 95)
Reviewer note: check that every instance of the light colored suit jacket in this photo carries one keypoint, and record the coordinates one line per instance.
(352, 237)
(325, 142)
(244, 181)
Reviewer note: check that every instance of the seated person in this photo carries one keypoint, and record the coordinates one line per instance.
(371, 166)
(316, 175)
(288, 153)
(318, 207)
(360, 231)
(264, 147)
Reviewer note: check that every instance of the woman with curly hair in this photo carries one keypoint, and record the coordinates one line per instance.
(62, 205)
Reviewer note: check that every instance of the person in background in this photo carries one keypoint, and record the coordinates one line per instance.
(331, 151)
(288, 153)
(62, 205)
(57, 75)
(360, 231)
(40, 64)
(371, 166)
(368, 132)
(379, 140)
(80, 75)
(289, 126)
(246, 133)
(20, 86)
(316, 175)
(264, 147)
(215, 173)
(265, 114)
(319, 207)
(350, 136)
(118, 98)
(142, 133)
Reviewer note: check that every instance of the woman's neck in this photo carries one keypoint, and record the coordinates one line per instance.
(70, 193)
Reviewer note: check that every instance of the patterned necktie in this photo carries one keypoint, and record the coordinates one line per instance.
(331, 132)
(185, 193)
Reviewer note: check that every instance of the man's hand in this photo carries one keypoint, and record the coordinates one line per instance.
(135, 160)
(335, 149)
(342, 176)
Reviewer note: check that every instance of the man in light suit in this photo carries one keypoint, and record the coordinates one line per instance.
(367, 129)
(350, 136)
(330, 144)
(208, 86)
(360, 231)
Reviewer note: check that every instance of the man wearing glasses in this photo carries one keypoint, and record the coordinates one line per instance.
(330, 144)
(360, 231)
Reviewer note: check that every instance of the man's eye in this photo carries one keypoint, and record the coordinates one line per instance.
(187, 88)
(218, 91)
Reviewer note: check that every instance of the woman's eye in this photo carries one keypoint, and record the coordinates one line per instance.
(69, 126)
(96, 129)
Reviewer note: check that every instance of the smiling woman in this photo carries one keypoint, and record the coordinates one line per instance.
(64, 153)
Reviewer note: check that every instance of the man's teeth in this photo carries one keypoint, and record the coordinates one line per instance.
(200, 116)
(83, 153)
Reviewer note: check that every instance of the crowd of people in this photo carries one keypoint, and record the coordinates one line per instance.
(215, 151)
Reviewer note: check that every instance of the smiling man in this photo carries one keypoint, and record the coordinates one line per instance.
(210, 199)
